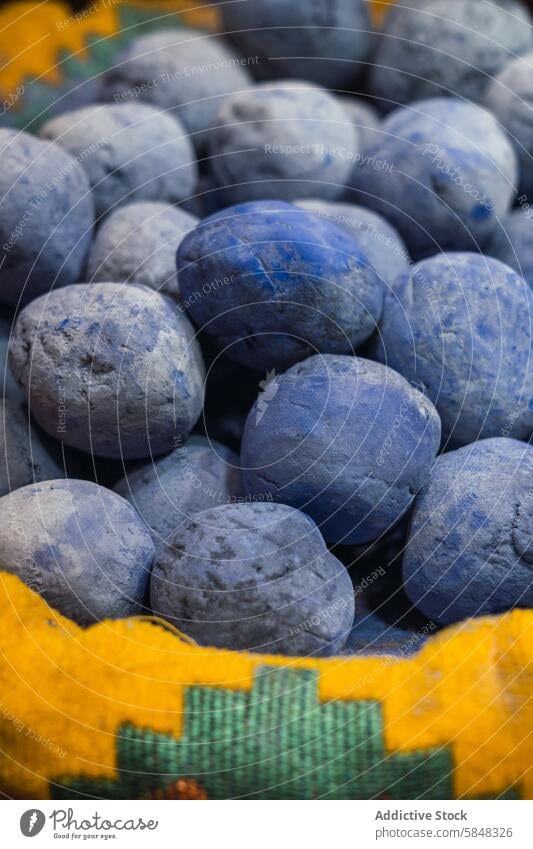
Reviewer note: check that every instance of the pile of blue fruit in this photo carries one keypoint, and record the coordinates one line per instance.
(267, 329)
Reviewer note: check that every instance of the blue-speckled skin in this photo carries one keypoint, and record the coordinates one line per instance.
(379, 241)
(185, 71)
(295, 284)
(470, 549)
(110, 369)
(195, 476)
(83, 548)
(46, 217)
(513, 242)
(254, 577)
(440, 47)
(285, 140)
(137, 243)
(130, 151)
(364, 118)
(509, 98)
(447, 172)
(459, 327)
(345, 439)
(320, 41)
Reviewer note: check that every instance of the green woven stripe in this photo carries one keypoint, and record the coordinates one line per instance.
(39, 96)
(278, 741)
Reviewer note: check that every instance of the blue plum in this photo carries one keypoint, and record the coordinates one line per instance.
(469, 551)
(137, 243)
(112, 370)
(344, 439)
(254, 577)
(130, 151)
(442, 171)
(512, 242)
(380, 242)
(196, 476)
(271, 284)
(458, 326)
(509, 98)
(322, 42)
(46, 217)
(285, 140)
(440, 47)
(83, 548)
(187, 72)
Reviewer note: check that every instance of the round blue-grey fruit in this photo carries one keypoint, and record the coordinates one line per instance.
(254, 577)
(470, 551)
(112, 370)
(365, 120)
(285, 140)
(130, 151)
(184, 71)
(345, 439)
(46, 217)
(379, 241)
(443, 172)
(509, 98)
(323, 42)
(26, 455)
(80, 546)
(458, 326)
(441, 47)
(137, 243)
(197, 475)
(271, 284)
(513, 243)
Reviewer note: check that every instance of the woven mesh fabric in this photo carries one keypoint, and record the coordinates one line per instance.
(277, 738)
(125, 709)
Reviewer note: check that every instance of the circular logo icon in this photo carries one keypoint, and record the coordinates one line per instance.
(32, 822)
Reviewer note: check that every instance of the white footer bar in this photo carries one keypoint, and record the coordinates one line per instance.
(255, 824)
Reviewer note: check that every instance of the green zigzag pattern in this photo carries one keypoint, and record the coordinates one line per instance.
(275, 742)
(39, 96)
